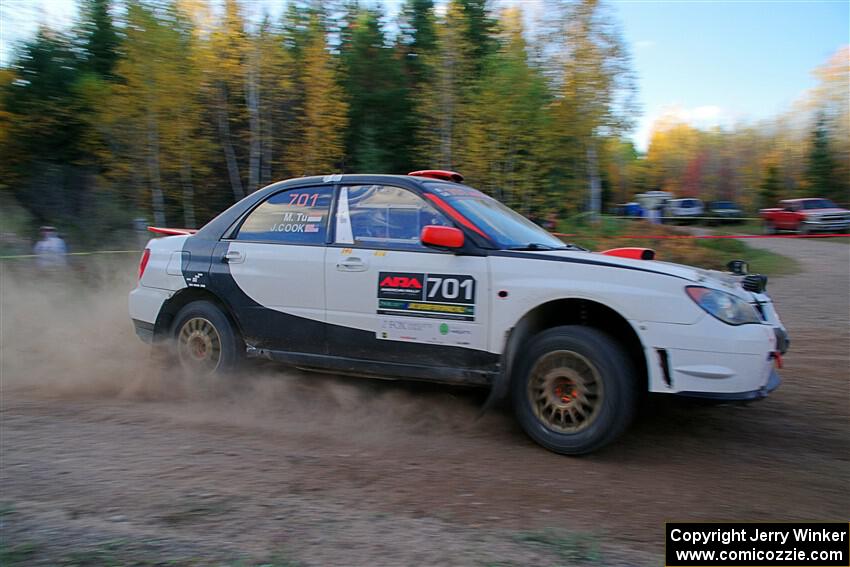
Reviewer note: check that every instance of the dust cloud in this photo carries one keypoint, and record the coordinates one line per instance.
(68, 336)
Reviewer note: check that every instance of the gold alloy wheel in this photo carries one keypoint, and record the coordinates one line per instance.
(199, 346)
(565, 391)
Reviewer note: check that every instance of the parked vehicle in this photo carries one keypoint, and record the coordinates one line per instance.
(806, 216)
(720, 212)
(422, 277)
(687, 210)
(652, 204)
(631, 210)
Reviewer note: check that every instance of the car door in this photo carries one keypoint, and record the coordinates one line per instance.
(272, 271)
(787, 217)
(389, 298)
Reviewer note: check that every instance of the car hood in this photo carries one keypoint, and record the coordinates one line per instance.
(709, 278)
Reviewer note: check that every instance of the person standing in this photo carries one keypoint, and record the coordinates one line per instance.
(51, 251)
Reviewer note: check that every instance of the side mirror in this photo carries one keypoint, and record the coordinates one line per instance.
(445, 237)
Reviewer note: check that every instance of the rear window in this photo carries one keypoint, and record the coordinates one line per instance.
(297, 216)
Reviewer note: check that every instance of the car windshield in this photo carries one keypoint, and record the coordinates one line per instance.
(818, 204)
(507, 228)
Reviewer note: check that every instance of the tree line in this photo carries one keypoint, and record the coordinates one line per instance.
(174, 109)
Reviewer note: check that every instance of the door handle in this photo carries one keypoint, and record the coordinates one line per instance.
(351, 265)
(233, 257)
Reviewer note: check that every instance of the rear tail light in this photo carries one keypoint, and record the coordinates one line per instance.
(143, 262)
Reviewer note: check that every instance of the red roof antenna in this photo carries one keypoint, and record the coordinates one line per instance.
(439, 174)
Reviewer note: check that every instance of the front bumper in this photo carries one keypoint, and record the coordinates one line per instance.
(712, 360)
(773, 383)
(827, 225)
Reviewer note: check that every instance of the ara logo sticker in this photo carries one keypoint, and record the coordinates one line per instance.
(396, 285)
(401, 281)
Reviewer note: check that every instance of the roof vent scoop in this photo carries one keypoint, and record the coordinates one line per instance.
(438, 174)
(633, 253)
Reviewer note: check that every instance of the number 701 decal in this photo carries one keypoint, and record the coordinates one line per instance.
(454, 289)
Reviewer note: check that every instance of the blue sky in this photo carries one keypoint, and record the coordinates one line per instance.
(708, 62)
(717, 63)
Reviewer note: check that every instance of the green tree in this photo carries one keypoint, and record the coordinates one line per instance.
(42, 150)
(504, 149)
(100, 39)
(379, 123)
(323, 121)
(596, 91)
(442, 107)
(820, 172)
(770, 186)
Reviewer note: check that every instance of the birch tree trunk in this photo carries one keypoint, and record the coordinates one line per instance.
(595, 185)
(188, 192)
(252, 101)
(157, 200)
(227, 144)
(267, 130)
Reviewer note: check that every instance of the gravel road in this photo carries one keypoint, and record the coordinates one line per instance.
(106, 459)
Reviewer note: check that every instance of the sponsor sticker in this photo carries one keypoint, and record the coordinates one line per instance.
(418, 294)
(426, 331)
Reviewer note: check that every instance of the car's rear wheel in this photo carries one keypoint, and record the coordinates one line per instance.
(575, 390)
(205, 341)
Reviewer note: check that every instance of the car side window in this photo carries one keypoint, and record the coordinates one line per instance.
(383, 216)
(297, 216)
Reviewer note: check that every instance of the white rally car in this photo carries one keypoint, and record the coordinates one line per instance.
(421, 277)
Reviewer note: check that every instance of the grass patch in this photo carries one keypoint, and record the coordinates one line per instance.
(19, 554)
(761, 261)
(571, 547)
(703, 253)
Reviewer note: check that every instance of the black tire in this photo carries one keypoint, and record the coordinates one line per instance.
(204, 340)
(609, 405)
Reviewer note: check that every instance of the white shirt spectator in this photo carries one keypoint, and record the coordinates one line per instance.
(50, 251)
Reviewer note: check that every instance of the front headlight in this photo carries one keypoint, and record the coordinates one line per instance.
(724, 306)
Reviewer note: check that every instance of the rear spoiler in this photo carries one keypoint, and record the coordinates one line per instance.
(172, 231)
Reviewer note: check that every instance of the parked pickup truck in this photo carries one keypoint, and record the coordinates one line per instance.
(805, 216)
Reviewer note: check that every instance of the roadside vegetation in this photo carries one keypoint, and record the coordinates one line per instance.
(171, 110)
(704, 253)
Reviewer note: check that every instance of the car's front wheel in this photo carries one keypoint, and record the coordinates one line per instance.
(205, 341)
(575, 390)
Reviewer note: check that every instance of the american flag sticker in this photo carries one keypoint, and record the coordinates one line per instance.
(311, 228)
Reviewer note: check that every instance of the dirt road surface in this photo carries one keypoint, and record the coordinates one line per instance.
(105, 458)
